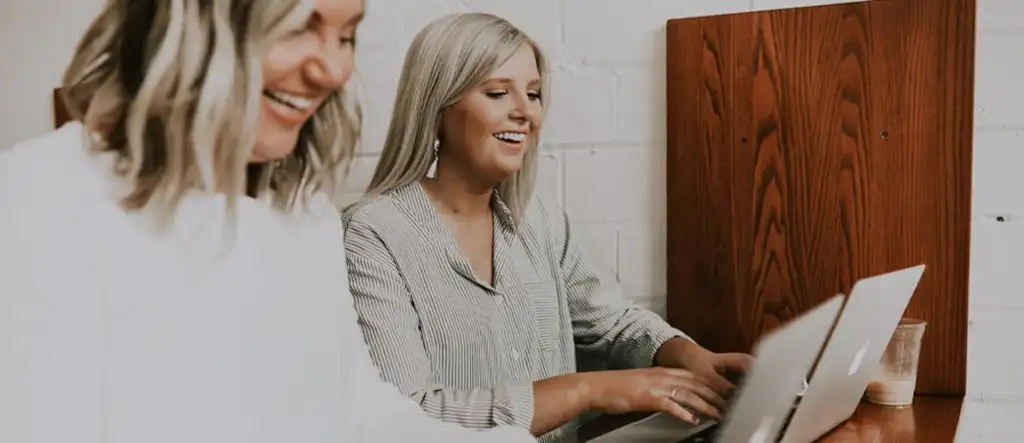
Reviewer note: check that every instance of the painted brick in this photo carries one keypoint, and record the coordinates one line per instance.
(580, 107)
(994, 354)
(640, 104)
(998, 160)
(763, 5)
(598, 242)
(995, 261)
(615, 184)
(616, 31)
(1000, 14)
(414, 15)
(997, 86)
(990, 420)
(377, 104)
(642, 259)
(549, 177)
(540, 19)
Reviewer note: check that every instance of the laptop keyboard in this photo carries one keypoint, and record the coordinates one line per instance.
(708, 435)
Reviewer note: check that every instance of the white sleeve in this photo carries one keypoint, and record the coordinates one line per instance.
(50, 313)
(382, 413)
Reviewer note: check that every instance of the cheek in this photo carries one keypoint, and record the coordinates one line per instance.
(281, 61)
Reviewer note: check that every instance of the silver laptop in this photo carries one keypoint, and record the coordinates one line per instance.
(853, 353)
(763, 403)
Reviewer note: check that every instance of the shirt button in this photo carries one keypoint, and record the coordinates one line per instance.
(515, 354)
(499, 299)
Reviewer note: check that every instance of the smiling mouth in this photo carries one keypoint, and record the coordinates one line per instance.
(291, 101)
(511, 137)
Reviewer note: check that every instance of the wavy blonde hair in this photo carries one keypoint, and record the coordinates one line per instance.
(448, 58)
(175, 88)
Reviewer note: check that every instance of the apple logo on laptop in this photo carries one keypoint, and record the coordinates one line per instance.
(763, 432)
(858, 359)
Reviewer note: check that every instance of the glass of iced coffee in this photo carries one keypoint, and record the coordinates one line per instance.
(896, 379)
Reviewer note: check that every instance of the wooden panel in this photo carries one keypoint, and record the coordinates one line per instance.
(60, 112)
(811, 147)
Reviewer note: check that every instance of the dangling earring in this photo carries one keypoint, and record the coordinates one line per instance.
(432, 170)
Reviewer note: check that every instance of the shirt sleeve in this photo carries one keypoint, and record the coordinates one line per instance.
(606, 325)
(390, 326)
(50, 313)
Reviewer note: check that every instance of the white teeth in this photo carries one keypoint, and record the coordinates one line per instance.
(514, 137)
(300, 103)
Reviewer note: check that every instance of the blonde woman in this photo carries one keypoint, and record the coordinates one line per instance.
(471, 293)
(171, 267)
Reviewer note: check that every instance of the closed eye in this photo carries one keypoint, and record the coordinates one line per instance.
(497, 94)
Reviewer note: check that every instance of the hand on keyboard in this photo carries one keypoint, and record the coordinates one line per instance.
(673, 391)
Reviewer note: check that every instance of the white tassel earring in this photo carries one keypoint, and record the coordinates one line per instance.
(432, 170)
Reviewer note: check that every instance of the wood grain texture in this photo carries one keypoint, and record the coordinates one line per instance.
(811, 147)
(929, 420)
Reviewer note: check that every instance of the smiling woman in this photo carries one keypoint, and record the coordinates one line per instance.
(472, 293)
(293, 90)
(171, 265)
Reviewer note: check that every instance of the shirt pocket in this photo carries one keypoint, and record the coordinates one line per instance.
(547, 313)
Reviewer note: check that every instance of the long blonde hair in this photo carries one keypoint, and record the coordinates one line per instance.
(448, 58)
(175, 88)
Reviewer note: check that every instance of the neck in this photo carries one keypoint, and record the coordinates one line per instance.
(457, 196)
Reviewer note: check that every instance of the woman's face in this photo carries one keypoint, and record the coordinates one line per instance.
(301, 70)
(485, 134)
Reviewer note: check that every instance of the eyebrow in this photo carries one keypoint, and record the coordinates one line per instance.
(355, 20)
(506, 80)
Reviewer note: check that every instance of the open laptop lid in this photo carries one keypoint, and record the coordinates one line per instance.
(783, 359)
(853, 352)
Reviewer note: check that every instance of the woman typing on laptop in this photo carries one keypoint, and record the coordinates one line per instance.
(471, 292)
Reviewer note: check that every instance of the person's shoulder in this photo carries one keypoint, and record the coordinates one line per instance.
(50, 188)
(373, 212)
(54, 169)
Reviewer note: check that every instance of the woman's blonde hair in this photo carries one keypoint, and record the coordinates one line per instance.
(175, 87)
(448, 58)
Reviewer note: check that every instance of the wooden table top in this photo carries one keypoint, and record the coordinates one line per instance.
(930, 419)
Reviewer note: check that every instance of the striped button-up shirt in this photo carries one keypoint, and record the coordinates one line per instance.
(467, 350)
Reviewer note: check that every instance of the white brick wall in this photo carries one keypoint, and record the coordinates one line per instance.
(604, 147)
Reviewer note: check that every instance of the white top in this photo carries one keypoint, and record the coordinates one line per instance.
(113, 333)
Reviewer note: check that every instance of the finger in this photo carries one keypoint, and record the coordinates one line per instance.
(719, 384)
(694, 401)
(705, 392)
(674, 409)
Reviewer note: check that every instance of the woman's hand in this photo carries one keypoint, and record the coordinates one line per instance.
(677, 392)
(721, 371)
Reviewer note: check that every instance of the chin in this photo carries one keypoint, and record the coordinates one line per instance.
(274, 147)
(506, 171)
